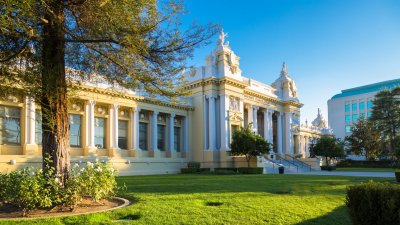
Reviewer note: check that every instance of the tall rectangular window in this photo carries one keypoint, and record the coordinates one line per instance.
(122, 134)
(38, 127)
(347, 119)
(355, 117)
(347, 108)
(369, 104)
(143, 136)
(354, 106)
(348, 130)
(75, 130)
(362, 105)
(10, 125)
(177, 139)
(161, 137)
(100, 132)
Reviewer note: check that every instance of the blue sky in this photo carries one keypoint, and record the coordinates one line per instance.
(328, 45)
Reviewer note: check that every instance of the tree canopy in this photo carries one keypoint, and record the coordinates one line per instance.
(246, 143)
(136, 44)
(328, 147)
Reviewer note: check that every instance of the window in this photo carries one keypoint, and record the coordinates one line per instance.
(143, 136)
(100, 132)
(75, 130)
(347, 118)
(369, 114)
(161, 137)
(362, 105)
(355, 117)
(122, 134)
(347, 108)
(354, 106)
(362, 115)
(177, 139)
(38, 127)
(10, 125)
(369, 104)
(348, 130)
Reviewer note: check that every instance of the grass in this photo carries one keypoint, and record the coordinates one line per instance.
(226, 199)
(361, 169)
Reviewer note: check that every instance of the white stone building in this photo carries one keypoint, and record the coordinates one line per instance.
(142, 135)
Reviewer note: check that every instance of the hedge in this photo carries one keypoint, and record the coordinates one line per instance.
(194, 170)
(397, 173)
(374, 203)
(218, 169)
(368, 164)
(328, 168)
(193, 164)
(250, 170)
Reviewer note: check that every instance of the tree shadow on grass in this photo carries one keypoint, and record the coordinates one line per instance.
(338, 216)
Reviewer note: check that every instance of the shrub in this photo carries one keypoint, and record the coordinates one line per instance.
(189, 170)
(328, 168)
(250, 170)
(224, 172)
(366, 163)
(96, 180)
(194, 170)
(397, 173)
(374, 203)
(233, 169)
(193, 164)
(29, 188)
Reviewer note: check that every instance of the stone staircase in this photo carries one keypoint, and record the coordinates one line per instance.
(291, 164)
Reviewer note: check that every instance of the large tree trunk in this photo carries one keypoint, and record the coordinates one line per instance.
(55, 143)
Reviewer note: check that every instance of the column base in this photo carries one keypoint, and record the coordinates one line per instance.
(224, 159)
(154, 153)
(112, 152)
(135, 153)
(90, 151)
(30, 149)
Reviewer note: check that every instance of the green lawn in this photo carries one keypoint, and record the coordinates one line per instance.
(244, 199)
(354, 169)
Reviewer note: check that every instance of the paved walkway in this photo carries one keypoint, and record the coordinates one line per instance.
(352, 174)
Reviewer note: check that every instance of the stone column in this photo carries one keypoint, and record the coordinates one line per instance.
(306, 144)
(185, 150)
(154, 139)
(171, 150)
(288, 134)
(134, 148)
(90, 148)
(255, 122)
(30, 147)
(241, 109)
(279, 133)
(211, 124)
(224, 101)
(270, 127)
(113, 130)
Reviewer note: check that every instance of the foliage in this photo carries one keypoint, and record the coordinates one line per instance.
(397, 174)
(245, 142)
(250, 170)
(233, 169)
(195, 170)
(386, 115)
(365, 139)
(31, 188)
(328, 168)
(366, 163)
(193, 164)
(328, 147)
(374, 203)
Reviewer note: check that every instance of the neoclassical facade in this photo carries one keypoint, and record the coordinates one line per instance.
(142, 135)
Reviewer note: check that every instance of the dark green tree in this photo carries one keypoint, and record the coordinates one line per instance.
(328, 147)
(386, 115)
(136, 44)
(365, 139)
(246, 143)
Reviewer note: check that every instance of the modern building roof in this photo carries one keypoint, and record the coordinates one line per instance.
(375, 87)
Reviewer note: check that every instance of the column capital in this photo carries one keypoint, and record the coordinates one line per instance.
(114, 106)
(255, 107)
(91, 102)
(155, 113)
(172, 115)
(210, 96)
